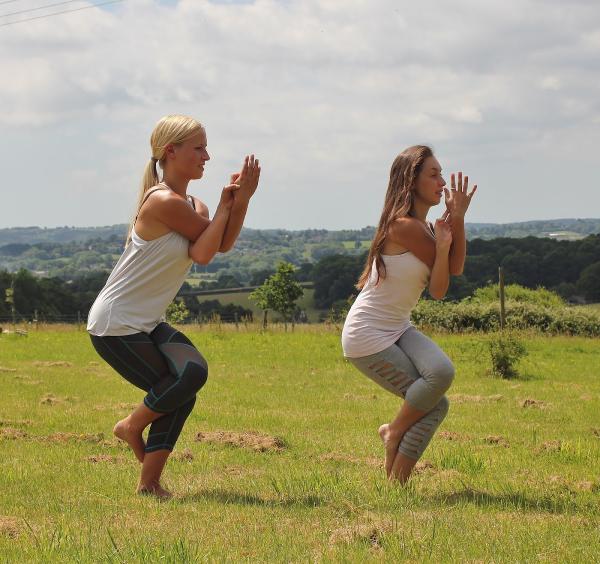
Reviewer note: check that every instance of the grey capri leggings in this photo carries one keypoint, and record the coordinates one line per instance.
(416, 369)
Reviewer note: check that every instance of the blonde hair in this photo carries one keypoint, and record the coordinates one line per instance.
(398, 203)
(170, 130)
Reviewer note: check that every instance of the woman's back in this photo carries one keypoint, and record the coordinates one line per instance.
(141, 286)
(381, 312)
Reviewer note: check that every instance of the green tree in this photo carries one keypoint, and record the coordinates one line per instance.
(177, 312)
(279, 292)
(589, 282)
(334, 277)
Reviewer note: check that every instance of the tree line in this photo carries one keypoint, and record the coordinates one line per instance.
(570, 268)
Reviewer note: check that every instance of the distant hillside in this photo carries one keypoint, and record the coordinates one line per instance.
(554, 228)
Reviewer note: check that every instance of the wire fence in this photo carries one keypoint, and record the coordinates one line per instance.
(80, 320)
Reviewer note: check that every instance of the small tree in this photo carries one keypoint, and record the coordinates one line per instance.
(279, 293)
(177, 312)
(10, 300)
(506, 350)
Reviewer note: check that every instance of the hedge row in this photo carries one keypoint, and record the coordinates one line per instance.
(471, 316)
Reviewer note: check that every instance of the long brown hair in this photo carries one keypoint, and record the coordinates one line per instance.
(398, 203)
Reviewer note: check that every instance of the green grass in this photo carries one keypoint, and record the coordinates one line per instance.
(503, 483)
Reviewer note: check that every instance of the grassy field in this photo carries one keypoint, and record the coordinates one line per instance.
(289, 468)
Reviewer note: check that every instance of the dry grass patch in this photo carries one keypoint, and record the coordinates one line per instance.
(356, 397)
(105, 458)
(424, 466)
(10, 527)
(369, 533)
(4, 369)
(72, 437)
(452, 436)
(249, 439)
(15, 422)
(596, 433)
(51, 399)
(11, 433)
(185, 455)
(496, 440)
(550, 446)
(53, 363)
(528, 402)
(465, 398)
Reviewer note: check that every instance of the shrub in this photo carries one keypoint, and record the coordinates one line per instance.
(506, 350)
(469, 315)
(516, 293)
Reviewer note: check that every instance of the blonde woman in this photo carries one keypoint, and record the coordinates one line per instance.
(406, 256)
(170, 231)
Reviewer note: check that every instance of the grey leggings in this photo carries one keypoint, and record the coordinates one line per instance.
(416, 369)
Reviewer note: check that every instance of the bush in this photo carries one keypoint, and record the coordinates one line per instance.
(516, 293)
(469, 315)
(506, 350)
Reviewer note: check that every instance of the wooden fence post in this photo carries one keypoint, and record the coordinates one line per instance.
(501, 290)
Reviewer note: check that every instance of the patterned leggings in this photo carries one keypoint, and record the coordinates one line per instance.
(416, 369)
(167, 366)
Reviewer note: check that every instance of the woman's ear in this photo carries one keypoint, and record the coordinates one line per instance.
(169, 151)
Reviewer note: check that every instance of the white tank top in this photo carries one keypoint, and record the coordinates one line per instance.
(381, 313)
(141, 286)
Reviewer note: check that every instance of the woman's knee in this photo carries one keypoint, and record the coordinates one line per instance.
(443, 374)
(199, 376)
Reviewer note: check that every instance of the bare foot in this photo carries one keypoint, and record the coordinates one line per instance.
(391, 441)
(155, 490)
(122, 430)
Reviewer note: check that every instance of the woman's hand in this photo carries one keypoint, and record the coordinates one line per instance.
(228, 196)
(443, 234)
(458, 198)
(247, 178)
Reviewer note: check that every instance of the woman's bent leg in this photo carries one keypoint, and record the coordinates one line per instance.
(420, 373)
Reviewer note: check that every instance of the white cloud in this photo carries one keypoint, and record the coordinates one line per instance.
(326, 92)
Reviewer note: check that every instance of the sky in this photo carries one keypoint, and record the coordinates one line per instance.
(325, 92)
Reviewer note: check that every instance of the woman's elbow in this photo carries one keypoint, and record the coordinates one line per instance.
(438, 293)
(200, 258)
(456, 271)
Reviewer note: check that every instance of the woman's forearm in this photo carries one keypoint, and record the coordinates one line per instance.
(458, 249)
(203, 249)
(234, 224)
(440, 274)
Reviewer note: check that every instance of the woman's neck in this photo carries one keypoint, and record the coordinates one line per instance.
(178, 185)
(419, 210)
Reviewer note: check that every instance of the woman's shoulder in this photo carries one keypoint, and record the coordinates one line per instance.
(200, 207)
(406, 227)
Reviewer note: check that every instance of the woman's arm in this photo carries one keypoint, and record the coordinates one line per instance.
(247, 180)
(457, 204)
(440, 273)
(458, 249)
(206, 246)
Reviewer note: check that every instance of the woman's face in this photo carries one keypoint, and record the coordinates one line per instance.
(430, 183)
(188, 158)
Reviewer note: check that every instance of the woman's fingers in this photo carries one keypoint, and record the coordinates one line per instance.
(472, 192)
(465, 184)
